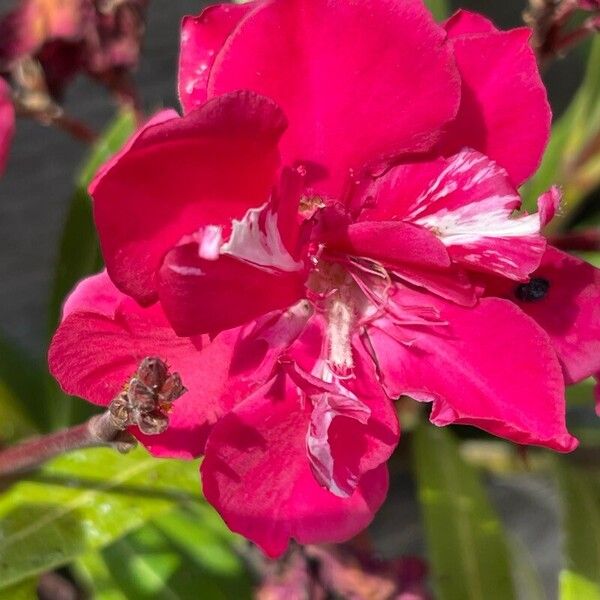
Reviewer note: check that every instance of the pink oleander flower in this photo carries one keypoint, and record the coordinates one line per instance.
(7, 123)
(99, 37)
(334, 223)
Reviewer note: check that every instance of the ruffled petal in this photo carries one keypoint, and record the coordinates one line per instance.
(7, 123)
(468, 203)
(489, 366)
(95, 352)
(336, 70)
(257, 475)
(201, 296)
(202, 37)
(504, 110)
(179, 175)
(563, 297)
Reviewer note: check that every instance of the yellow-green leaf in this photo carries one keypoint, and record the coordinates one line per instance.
(83, 501)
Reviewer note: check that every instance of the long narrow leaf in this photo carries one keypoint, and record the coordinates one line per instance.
(467, 545)
(581, 524)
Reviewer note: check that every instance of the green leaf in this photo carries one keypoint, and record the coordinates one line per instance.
(567, 160)
(24, 590)
(580, 489)
(79, 253)
(467, 545)
(95, 576)
(149, 564)
(439, 9)
(83, 501)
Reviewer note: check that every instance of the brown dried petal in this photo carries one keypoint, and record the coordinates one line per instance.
(171, 389)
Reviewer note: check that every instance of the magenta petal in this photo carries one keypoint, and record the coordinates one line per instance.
(504, 111)
(468, 202)
(201, 296)
(395, 242)
(257, 475)
(491, 366)
(336, 69)
(95, 352)
(95, 294)
(464, 22)
(569, 311)
(202, 37)
(179, 175)
(7, 123)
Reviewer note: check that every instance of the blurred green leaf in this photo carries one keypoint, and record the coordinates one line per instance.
(24, 590)
(201, 533)
(527, 581)
(79, 253)
(467, 545)
(582, 420)
(580, 489)
(439, 8)
(94, 575)
(569, 159)
(84, 501)
(149, 564)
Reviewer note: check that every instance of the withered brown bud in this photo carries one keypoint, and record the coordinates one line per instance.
(147, 397)
(153, 372)
(153, 423)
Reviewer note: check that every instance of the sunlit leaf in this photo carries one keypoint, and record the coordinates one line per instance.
(83, 501)
(151, 564)
(467, 545)
(580, 489)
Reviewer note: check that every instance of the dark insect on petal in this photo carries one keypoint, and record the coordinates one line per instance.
(536, 289)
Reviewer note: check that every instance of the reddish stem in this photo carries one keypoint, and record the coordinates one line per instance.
(100, 430)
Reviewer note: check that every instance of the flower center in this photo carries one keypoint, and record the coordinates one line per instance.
(339, 300)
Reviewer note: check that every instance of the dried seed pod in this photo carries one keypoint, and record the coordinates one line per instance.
(153, 372)
(153, 423)
(120, 409)
(171, 389)
(141, 396)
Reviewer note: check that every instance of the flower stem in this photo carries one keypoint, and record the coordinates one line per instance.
(100, 430)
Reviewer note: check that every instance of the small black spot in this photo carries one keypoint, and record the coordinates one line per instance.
(535, 290)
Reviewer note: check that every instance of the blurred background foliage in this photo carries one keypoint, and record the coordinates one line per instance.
(491, 520)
